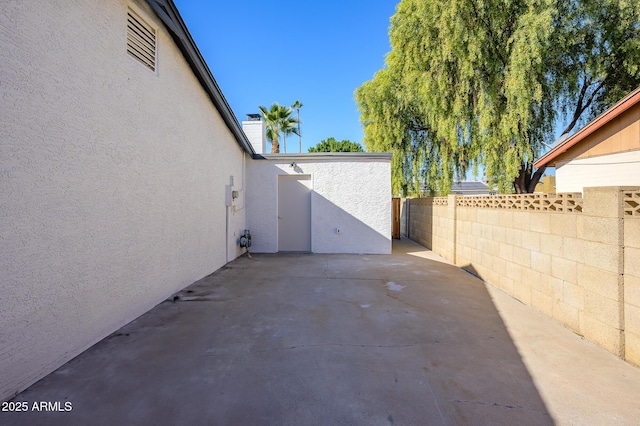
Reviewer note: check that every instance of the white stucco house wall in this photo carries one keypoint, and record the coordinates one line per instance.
(114, 177)
(341, 190)
(125, 177)
(605, 152)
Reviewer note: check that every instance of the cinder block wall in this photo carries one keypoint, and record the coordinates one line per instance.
(576, 260)
(632, 276)
(420, 217)
(432, 224)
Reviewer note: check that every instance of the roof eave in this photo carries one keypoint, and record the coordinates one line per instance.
(547, 160)
(312, 156)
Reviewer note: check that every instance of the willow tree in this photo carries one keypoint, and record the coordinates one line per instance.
(595, 59)
(473, 83)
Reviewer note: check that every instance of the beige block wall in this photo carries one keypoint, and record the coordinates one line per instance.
(580, 268)
(432, 225)
(600, 233)
(632, 288)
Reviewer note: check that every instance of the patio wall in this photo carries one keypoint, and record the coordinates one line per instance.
(577, 259)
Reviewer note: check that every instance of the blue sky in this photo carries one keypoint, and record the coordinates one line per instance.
(261, 52)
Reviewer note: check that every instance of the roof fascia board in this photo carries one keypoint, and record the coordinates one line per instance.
(169, 15)
(623, 105)
(314, 156)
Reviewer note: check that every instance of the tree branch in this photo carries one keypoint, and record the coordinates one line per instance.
(535, 178)
(580, 107)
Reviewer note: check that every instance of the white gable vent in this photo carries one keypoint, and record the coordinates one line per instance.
(141, 40)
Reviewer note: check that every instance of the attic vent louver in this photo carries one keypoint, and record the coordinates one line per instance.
(141, 40)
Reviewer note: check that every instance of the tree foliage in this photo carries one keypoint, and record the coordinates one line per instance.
(332, 145)
(473, 83)
(278, 120)
(596, 58)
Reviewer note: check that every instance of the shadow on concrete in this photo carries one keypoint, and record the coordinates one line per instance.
(305, 339)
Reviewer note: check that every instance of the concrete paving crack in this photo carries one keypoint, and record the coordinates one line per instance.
(495, 404)
(498, 405)
(326, 267)
(349, 345)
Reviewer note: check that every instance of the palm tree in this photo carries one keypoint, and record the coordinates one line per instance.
(287, 128)
(297, 105)
(270, 118)
(278, 120)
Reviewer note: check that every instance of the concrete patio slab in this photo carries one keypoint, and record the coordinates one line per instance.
(295, 339)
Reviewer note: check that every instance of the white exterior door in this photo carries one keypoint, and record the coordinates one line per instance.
(294, 213)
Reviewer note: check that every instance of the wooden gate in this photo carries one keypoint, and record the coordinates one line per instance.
(395, 224)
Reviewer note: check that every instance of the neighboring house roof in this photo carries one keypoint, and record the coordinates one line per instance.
(466, 187)
(470, 188)
(615, 111)
(168, 13)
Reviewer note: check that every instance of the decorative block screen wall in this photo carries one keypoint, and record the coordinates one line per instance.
(568, 203)
(632, 203)
(574, 258)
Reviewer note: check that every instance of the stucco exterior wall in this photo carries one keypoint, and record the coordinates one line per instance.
(256, 132)
(605, 170)
(351, 194)
(113, 181)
